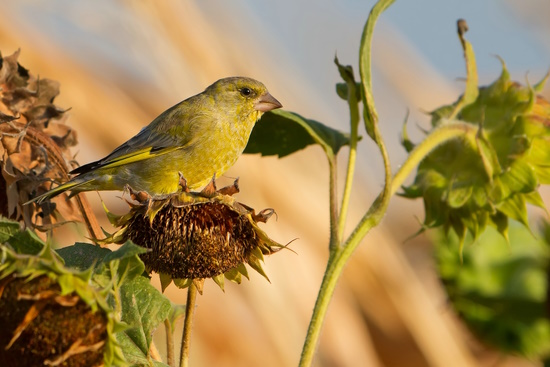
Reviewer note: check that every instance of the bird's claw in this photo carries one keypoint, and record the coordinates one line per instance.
(139, 196)
(231, 189)
(183, 183)
(210, 189)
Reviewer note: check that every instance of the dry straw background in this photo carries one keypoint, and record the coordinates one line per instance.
(389, 309)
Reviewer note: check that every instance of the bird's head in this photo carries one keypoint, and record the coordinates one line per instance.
(247, 97)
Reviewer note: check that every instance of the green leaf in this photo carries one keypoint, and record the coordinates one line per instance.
(26, 242)
(479, 196)
(282, 133)
(519, 177)
(500, 221)
(515, 208)
(489, 156)
(405, 140)
(219, 280)
(539, 87)
(534, 198)
(143, 308)
(233, 275)
(165, 281)
(475, 223)
(82, 255)
(8, 228)
(176, 312)
(459, 195)
(182, 283)
(342, 91)
(23, 242)
(123, 264)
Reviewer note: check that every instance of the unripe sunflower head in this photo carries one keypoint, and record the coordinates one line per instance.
(192, 236)
(481, 180)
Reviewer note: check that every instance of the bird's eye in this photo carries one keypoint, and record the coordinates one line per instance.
(246, 91)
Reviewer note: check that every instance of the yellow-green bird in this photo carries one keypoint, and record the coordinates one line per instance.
(200, 137)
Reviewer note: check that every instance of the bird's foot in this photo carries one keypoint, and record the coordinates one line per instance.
(139, 196)
(210, 189)
(231, 189)
(183, 183)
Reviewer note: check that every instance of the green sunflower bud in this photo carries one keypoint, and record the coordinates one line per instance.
(487, 179)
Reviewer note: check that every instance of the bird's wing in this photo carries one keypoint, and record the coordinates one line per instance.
(146, 144)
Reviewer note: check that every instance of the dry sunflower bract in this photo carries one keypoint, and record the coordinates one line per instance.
(34, 145)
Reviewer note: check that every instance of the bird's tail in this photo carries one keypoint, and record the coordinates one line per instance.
(70, 185)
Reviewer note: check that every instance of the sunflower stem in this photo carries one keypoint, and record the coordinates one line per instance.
(339, 256)
(170, 358)
(186, 337)
(334, 236)
(353, 104)
(326, 290)
(451, 130)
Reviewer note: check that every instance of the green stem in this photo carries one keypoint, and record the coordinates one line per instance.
(448, 131)
(170, 358)
(354, 123)
(339, 256)
(186, 337)
(319, 311)
(334, 236)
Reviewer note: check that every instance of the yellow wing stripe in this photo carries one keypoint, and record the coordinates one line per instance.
(138, 155)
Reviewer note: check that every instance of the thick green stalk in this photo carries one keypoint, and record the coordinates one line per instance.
(326, 290)
(447, 131)
(339, 256)
(187, 323)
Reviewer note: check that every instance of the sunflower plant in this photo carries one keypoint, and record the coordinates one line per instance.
(483, 160)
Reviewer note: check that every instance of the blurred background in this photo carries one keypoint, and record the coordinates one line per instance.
(121, 63)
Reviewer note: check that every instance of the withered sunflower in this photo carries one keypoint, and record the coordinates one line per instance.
(196, 235)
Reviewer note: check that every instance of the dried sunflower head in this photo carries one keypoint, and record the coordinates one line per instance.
(192, 236)
(34, 145)
(52, 315)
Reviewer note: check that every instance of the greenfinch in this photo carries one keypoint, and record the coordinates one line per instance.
(200, 137)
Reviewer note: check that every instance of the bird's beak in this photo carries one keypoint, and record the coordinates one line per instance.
(266, 102)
